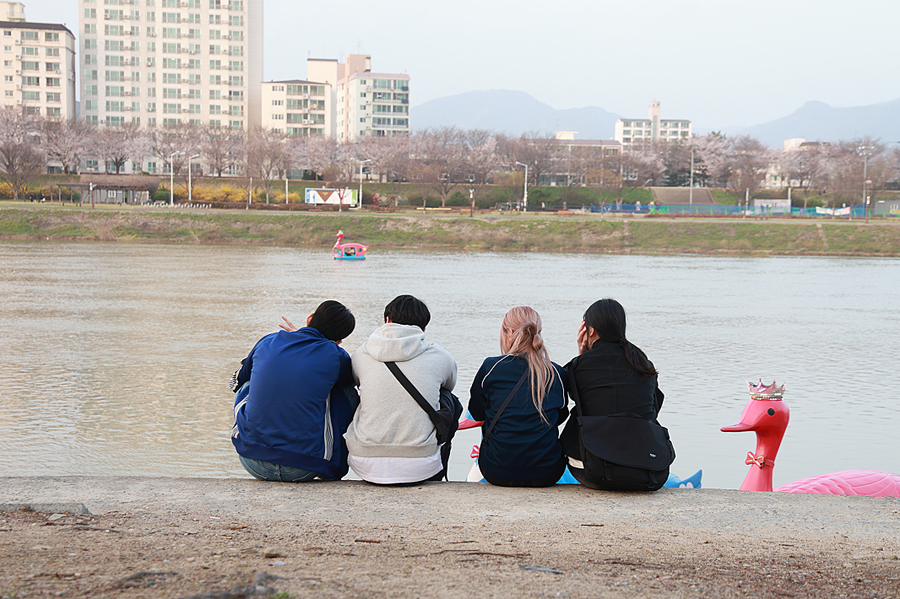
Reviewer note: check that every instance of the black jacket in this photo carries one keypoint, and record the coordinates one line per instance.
(606, 384)
(522, 447)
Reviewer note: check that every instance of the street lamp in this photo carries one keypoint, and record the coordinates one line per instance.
(91, 188)
(361, 162)
(190, 188)
(172, 178)
(525, 193)
(864, 150)
(692, 179)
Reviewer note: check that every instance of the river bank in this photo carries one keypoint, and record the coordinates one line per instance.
(213, 538)
(542, 232)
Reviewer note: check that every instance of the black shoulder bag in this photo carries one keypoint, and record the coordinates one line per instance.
(622, 452)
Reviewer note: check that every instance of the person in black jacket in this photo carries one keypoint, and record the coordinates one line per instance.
(617, 399)
(520, 445)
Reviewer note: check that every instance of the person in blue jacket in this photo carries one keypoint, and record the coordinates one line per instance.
(290, 422)
(521, 398)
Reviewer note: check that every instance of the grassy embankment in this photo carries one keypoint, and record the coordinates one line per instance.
(581, 234)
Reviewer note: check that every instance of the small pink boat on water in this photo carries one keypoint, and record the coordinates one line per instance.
(347, 251)
(768, 415)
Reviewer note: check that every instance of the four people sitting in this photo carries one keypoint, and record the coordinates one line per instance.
(299, 419)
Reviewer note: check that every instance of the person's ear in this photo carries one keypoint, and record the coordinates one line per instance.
(309, 319)
(387, 319)
(338, 342)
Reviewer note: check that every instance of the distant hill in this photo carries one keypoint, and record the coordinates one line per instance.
(511, 112)
(817, 121)
(515, 112)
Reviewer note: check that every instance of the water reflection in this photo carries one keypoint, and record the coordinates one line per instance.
(118, 355)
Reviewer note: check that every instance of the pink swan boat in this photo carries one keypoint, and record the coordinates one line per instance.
(347, 251)
(768, 415)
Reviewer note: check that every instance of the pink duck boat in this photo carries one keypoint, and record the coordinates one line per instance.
(768, 415)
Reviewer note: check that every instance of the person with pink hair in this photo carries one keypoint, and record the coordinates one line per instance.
(521, 398)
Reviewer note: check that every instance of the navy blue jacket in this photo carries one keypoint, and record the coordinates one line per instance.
(522, 447)
(298, 405)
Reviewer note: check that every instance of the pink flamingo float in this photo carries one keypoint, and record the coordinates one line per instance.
(347, 251)
(768, 415)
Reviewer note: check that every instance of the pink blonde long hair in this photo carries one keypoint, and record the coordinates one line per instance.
(520, 334)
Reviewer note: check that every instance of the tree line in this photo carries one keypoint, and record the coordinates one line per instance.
(440, 161)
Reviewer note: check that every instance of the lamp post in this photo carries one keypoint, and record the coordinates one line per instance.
(190, 187)
(525, 193)
(91, 187)
(171, 178)
(361, 162)
(692, 178)
(864, 150)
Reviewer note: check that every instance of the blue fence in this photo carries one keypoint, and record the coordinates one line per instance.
(857, 211)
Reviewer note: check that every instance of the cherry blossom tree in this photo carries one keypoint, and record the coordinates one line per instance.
(21, 156)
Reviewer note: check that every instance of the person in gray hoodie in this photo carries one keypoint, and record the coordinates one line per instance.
(392, 440)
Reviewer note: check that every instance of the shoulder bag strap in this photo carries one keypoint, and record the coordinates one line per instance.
(416, 395)
(505, 403)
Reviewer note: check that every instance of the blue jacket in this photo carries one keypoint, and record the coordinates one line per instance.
(299, 404)
(522, 447)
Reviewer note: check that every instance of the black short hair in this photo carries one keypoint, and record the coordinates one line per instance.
(333, 320)
(406, 309)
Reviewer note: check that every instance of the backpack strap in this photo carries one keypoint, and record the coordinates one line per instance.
(505, 403)
(416, 395)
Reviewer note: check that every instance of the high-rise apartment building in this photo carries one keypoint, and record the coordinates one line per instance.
(38, 70)
(167, 62)
(360, 103)
(635, 134)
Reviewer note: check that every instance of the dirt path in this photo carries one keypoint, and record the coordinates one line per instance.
(241, 538)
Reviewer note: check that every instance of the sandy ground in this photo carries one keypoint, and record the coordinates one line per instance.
(218, 538)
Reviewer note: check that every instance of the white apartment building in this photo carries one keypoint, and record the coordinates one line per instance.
(38, 70)
(635, 134)
(297, 107)
(363, 103)
(374, 105)
(166, 62)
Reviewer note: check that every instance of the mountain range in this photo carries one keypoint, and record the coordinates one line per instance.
(516, 112)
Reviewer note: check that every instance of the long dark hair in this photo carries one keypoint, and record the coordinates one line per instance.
(607, 318)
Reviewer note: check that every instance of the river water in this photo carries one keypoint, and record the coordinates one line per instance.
(117, 356)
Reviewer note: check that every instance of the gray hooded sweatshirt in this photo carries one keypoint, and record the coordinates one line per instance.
(389, 422)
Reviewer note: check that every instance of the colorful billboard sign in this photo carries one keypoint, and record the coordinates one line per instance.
(347, 197)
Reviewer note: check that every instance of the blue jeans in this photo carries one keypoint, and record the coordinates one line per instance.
(273, 472)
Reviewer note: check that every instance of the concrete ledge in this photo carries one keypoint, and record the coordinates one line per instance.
(358, 503)
(207, 538)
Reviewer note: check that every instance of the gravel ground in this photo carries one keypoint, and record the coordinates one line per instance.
(231, 538)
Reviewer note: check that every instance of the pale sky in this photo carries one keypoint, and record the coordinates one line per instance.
(720, 63)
